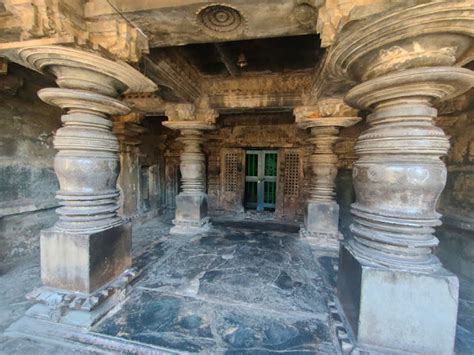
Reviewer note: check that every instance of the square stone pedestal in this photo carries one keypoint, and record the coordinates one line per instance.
(398, 310)
(321, 224)
(84, 262)
(191, 214)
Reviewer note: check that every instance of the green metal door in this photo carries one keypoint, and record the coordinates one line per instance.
(260, 179)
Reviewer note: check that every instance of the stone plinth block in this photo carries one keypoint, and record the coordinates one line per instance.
(84, 262)
(191, 208)
(321, 217)
(191, 214)
(398, 310)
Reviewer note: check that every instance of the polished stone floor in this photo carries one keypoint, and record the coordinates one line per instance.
(245, 287)
(250, 286)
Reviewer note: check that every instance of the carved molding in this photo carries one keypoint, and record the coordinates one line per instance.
(439, 34)
(49, 19)
(43, 58)
(170, 69)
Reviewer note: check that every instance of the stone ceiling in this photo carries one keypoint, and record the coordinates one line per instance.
(190, 48)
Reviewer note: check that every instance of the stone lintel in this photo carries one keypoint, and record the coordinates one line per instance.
(392, 311)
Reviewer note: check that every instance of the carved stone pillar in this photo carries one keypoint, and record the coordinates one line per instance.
(191, 203)
(89, 246)
(321, 217)
(389, 278)
(128, 132)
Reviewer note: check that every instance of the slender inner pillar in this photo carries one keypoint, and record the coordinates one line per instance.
(323, 164)
(191, 203)
(321, 218)
(193, 163)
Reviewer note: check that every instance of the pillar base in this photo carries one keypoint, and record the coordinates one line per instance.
(324, 241)
(191, 227)
(84, 262)
(398, 310)
(191, 214)
(321, 222)
(79, 309)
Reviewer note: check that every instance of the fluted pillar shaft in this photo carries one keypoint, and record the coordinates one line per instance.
(89, 245)
(193, 163)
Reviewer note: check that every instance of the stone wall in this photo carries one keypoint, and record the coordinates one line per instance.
(456, 235)
(143, 181)
(27, 180)
(275, 131)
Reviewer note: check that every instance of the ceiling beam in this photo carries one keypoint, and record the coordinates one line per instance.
(170, 69)
(227, 60)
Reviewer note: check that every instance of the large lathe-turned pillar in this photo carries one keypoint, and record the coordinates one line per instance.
(89, 245)
(321, 217)
(191, 203)
(393, 289)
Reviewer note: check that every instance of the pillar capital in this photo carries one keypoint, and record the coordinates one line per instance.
(432, 34)
(188, 116)
(82, 70)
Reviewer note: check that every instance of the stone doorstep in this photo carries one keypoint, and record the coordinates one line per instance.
(77, 338)
(79, 309)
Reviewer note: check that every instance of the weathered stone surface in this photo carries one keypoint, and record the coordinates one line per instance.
(191, 203)
(399, 177)
(84, 262)
(393, 309)
(199, 296)
(322, 217)
(153, 247)
(27, 179)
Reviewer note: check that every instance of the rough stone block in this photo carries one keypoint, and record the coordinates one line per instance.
(191, 208)
(398, 310)
(84, 262)
(321, 217)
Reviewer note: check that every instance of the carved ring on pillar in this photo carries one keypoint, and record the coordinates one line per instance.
(399, 175)
(387, 55)
(87, 163)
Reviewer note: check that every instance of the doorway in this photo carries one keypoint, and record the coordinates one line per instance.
(260, 179)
